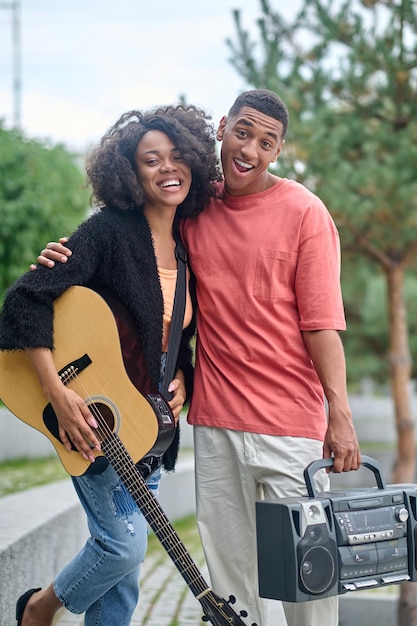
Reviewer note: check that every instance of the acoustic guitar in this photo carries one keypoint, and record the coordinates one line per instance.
(98, 354)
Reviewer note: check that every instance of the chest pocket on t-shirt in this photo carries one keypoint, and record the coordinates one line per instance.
(274, 274)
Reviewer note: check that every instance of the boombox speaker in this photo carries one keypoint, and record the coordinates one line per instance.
(329, 543)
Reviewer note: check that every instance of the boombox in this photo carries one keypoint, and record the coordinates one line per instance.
(330, 543)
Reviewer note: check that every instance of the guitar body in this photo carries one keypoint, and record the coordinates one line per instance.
(103, 349)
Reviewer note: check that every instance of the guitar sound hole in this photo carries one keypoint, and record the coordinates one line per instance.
(104, 417)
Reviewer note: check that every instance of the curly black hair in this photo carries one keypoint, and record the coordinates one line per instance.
(111, 167)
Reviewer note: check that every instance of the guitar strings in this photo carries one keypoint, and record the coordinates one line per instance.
(105, 433)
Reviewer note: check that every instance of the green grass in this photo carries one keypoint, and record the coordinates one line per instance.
(21, 474)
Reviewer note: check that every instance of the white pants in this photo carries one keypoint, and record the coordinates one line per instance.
(233, 470)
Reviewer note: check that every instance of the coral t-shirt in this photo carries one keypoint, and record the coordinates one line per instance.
(267, 267)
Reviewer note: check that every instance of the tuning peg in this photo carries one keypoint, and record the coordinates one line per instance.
(254, 624)
(232, 600)
(243, 613)
(205, 618)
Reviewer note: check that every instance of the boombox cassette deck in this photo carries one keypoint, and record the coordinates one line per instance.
(331, 543)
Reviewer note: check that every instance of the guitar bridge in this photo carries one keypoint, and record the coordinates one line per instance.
(74, 368)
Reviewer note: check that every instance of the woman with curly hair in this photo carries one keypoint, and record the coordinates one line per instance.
(150, 170)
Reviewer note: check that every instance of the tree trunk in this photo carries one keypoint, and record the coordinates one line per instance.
(400, 375)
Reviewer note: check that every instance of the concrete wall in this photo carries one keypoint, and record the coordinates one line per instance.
(40, 530)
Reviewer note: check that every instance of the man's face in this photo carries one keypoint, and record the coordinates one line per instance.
(251, 142)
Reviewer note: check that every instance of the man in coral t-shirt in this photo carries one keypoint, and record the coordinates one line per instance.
(267, 262)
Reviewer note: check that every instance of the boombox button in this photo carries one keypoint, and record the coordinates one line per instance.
(399, 578)
(362, 584)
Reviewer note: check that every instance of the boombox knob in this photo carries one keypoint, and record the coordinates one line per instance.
(401, 514)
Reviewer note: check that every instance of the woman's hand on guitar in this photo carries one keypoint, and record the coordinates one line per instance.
(76, 423)
(177, 388)
(53, 253)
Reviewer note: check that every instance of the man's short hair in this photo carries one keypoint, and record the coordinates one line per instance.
(264, 101)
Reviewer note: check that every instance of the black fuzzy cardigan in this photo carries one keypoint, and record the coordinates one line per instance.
(112, 251)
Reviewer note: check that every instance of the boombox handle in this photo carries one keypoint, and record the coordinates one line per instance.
(315, 466)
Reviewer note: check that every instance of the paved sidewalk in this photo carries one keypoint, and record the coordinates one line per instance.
(165, 599)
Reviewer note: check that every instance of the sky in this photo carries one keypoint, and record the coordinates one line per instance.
(85, 62)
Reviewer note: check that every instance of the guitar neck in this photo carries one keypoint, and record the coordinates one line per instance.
(129, 474)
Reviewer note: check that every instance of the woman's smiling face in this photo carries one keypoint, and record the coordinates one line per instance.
(162, 173)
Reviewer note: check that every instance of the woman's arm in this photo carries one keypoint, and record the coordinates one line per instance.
(76, 423)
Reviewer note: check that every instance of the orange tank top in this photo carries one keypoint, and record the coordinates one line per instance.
(168, 280)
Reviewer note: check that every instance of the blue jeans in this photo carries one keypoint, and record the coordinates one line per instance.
(102, 580)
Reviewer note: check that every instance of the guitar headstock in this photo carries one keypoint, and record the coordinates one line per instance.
(219, 612)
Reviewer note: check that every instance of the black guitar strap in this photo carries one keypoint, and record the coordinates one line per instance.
(151, 462)
(177, 319)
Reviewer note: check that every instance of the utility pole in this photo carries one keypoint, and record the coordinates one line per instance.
(17, 82)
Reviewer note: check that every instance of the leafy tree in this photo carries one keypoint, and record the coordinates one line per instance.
(42, 195)
(348, 73)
